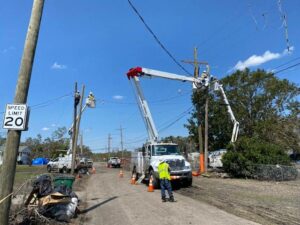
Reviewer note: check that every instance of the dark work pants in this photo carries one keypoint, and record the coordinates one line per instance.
(165, 185)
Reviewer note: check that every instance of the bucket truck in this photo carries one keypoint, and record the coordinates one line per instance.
(63, 164)
(146, 163)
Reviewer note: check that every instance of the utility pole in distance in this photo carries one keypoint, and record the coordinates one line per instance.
(14, 136)
(109, 145)
(122, 143)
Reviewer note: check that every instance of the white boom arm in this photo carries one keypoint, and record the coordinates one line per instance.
(145, 111)
(236, 124)
(202, 81)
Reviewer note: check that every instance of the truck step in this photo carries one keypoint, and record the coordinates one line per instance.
(140, 179)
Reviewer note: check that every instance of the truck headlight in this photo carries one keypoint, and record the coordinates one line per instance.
(187, 167)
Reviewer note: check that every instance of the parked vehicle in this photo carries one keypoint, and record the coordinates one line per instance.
(145, 163)
(64, 165)
(114, 162)
(215, 158)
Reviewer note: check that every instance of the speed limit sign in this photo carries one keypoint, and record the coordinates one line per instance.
(15, 117)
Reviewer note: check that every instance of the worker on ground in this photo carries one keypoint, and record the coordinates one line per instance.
(165, 181)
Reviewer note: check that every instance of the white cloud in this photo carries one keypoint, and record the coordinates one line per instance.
(118, 97)
(256, 60)
(57, 66)
(53, 125)
(45, 128)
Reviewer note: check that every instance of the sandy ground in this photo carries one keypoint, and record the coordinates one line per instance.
(264, 202)
(110, 200)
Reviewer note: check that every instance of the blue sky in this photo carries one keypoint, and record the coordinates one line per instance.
(95, 42)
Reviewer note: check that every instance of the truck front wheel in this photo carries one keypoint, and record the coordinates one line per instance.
(64, 170)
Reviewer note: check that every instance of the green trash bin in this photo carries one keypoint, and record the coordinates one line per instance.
(64, 181)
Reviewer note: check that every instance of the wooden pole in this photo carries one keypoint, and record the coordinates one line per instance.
(14, 136)
(206, 132)
(74, 130)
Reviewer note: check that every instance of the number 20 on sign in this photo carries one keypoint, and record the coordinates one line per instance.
(15, 117)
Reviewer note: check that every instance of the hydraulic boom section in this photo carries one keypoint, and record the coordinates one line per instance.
(145, 111)
(203, 81)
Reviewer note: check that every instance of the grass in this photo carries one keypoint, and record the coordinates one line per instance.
(25, 172)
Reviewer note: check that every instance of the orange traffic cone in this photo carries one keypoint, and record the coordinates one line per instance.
(93, 170)
(133, 179)
(121, 174)
(150, 187)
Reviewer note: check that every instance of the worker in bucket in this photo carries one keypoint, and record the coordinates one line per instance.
(165, 180)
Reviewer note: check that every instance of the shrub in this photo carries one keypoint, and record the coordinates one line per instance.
(241, 159)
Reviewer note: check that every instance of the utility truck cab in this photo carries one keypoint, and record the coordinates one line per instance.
(145, 163)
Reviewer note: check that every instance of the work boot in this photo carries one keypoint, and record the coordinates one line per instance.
(171, 199)
(163, 200)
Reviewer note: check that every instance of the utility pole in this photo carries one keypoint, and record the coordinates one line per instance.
(206, 131)
(13, 136)
(81, 143)
(76, 132)
(196, 64)
(76, 101)
(122, 143)
(109, 145)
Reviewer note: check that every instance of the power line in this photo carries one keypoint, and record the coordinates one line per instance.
(279, 71)
(47, 103)
(156, 38)
(292, 60)
(175, 121)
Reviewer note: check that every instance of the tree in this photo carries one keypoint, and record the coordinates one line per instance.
(266, 107)
(49, 147)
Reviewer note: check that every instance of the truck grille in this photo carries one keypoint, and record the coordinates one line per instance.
(176, 164)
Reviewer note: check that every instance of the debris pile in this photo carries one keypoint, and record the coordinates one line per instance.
(51, 199)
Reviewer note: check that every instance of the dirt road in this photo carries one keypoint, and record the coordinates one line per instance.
(111, 200)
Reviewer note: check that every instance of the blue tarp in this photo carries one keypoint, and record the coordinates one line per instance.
(39, 161)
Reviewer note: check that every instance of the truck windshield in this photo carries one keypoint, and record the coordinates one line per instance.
(165, 150)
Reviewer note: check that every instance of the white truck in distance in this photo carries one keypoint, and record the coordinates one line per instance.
(114, 162)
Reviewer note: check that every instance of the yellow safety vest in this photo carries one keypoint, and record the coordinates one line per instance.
(163, 170)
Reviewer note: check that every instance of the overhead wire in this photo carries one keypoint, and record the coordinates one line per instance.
(286, 63)
(157, 39)
(177, 119)
(47, 103)
(289, 67)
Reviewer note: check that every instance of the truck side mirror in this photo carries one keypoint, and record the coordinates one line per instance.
(143, 151)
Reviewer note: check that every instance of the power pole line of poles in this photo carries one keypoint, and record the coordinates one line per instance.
(14, 136)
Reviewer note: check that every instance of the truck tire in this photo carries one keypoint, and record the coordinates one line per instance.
(49, 169)
(64, 170)
(155, 181)
(188, 182)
